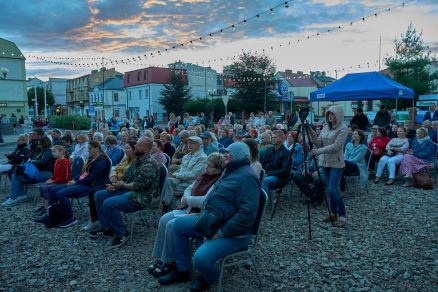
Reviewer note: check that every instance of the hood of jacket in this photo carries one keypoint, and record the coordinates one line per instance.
(338, 111)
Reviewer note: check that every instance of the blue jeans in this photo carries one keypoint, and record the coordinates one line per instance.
(63, 194)
(331, 178)
(206, 256)
(109, 205)
(19, 180)
(270, 183)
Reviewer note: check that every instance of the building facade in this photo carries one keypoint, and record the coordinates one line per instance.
(78, 88)
(143, 91)
(108, 99)
(13, 94)
(202, 81)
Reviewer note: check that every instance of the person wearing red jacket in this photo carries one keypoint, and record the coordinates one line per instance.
(61, 175)
(377, 146)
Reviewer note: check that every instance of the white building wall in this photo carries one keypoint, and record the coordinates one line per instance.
(58, 88)
(143, 100)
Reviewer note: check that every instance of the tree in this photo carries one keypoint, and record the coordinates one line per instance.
(254, 76)
(410, 64)
(40, 98)
(175, 95)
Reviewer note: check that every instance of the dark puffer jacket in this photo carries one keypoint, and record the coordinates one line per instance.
(236, 194)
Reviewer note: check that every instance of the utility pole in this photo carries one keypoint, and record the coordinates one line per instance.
(103, 90)
(36, 101)
(45, 101)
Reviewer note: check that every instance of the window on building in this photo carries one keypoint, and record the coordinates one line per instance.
(138, 76)
(128, 78)
(116, 97)
(146, 93)
(145, 76)
(139, 94)
(116, 112)
(130, 96)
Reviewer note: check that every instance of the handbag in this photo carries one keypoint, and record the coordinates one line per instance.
(30, 170)
(422, 180)
(208, 222)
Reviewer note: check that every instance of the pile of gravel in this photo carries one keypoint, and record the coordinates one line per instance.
(390, 243)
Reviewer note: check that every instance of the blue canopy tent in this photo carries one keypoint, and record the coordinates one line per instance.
(362, 86)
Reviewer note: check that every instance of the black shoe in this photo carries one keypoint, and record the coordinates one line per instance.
(174, 277)
(100, 233)
(199, 284)
(120, 241)
(163, 270)
(151, 268)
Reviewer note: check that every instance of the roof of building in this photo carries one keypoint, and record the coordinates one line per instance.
(10, 50)
(115, 83)
(298, 79)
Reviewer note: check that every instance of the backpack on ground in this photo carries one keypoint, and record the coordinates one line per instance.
(56, 215)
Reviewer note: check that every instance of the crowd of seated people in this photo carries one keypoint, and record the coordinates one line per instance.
(208, 166)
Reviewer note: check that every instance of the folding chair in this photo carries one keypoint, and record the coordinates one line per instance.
(142, 214)
(168, 160)
(246, 256)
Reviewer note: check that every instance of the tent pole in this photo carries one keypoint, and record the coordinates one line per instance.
(396, 106)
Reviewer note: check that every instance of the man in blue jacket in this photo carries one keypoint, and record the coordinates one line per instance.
(236, 195)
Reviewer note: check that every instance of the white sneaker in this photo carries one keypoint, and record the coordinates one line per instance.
(91, 226)
(9, 202)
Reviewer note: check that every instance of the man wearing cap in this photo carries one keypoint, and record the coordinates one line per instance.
(236, 196)
(207, 146)
(192, 165)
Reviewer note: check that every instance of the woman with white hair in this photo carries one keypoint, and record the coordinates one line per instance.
(421, 156)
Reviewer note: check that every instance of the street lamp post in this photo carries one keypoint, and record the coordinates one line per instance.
(265, 72)
(5, 72)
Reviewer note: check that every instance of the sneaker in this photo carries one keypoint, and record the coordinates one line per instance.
(69, 222)
(9, 202)
(174, 277)
(100, 233)
(342, 222)
(119, 241)
(91, 226)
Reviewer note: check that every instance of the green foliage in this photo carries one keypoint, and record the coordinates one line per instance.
(409, 66)
(208, 106)
(255, 78)
(174, 95)
(70, 122)
(40, 98)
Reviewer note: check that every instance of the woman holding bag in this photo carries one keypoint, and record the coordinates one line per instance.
(43, 160)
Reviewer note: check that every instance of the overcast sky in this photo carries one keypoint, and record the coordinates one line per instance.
(134, 28)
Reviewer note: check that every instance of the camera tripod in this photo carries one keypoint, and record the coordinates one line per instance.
(303, 129)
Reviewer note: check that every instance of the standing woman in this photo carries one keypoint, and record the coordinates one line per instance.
(330, 145)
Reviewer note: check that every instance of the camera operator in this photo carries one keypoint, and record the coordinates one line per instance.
(276, 162)
(331, 159)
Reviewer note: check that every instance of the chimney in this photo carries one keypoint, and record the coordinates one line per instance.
(300, 73)
(288, 71)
